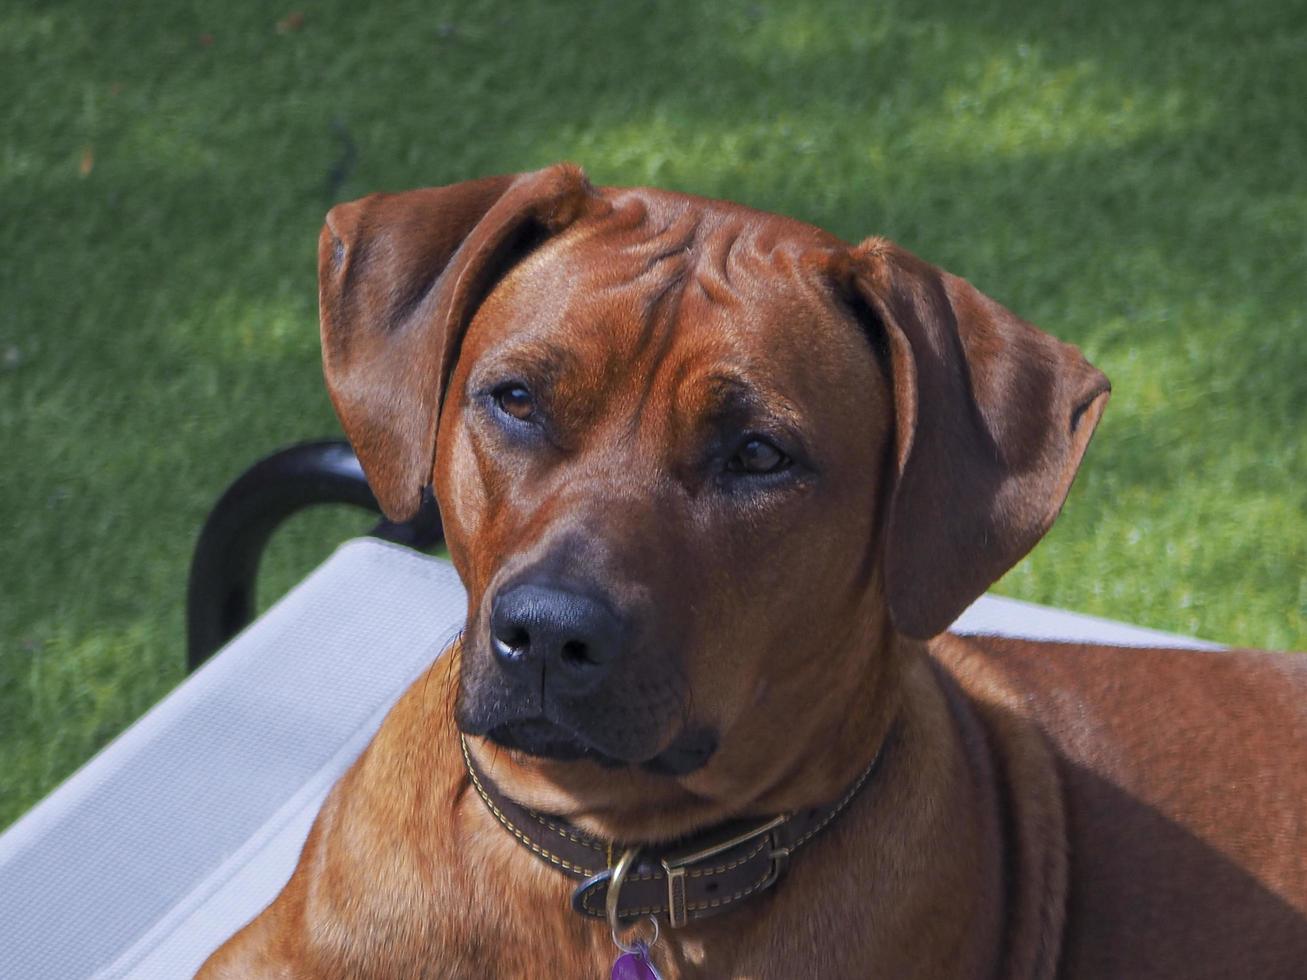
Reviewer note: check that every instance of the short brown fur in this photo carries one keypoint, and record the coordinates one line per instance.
(1042, 810)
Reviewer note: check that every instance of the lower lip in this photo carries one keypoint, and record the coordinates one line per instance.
(546, 740)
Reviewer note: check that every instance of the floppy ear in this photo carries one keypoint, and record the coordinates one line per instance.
(399, 277)
(992, 419)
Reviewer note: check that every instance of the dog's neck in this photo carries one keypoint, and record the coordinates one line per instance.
(931, 825)
(692, 879)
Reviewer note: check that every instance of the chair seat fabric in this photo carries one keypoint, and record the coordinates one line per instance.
(190, 822)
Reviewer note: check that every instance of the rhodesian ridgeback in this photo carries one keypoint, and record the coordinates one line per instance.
(717, 483)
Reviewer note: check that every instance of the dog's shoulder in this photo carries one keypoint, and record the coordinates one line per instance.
(1150, 718)
(1181, 799)
(1087, 695)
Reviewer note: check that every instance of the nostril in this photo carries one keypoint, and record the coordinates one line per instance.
(512, 641)
(576, 654)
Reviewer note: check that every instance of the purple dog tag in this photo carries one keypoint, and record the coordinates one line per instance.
(635, 965)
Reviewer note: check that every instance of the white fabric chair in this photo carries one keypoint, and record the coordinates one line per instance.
(184, 827)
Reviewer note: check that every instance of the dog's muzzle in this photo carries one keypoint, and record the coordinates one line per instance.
(564, 673)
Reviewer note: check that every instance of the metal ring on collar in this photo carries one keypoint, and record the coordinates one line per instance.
(613, 896)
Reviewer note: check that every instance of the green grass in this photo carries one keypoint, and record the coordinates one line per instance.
(1128, 174)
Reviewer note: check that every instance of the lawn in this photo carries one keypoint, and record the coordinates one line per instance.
(1129, 174)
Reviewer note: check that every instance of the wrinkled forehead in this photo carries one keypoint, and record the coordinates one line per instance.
(673, 282)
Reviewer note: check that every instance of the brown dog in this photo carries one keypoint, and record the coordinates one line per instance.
(716, 482)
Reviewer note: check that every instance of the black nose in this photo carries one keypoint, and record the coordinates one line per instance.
(572, 637)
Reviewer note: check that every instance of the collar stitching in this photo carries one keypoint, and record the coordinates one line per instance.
(511, 827)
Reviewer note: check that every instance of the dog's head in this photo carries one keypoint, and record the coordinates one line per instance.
(696, 465)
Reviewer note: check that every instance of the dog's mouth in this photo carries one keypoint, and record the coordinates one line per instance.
(542, 738)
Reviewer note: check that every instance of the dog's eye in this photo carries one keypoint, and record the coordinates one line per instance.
(757, 456)
(515, 400)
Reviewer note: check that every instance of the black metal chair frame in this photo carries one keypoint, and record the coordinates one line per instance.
(220, 595)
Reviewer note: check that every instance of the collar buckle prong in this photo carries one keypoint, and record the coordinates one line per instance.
(780, 860)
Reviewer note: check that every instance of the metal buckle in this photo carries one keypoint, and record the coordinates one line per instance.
(674, 867)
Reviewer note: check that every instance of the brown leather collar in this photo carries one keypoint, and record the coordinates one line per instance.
(687, 880)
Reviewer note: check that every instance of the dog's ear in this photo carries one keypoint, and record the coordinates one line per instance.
(992, 418)
(399, 277)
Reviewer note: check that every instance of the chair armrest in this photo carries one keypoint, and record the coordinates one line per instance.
(221, 589)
